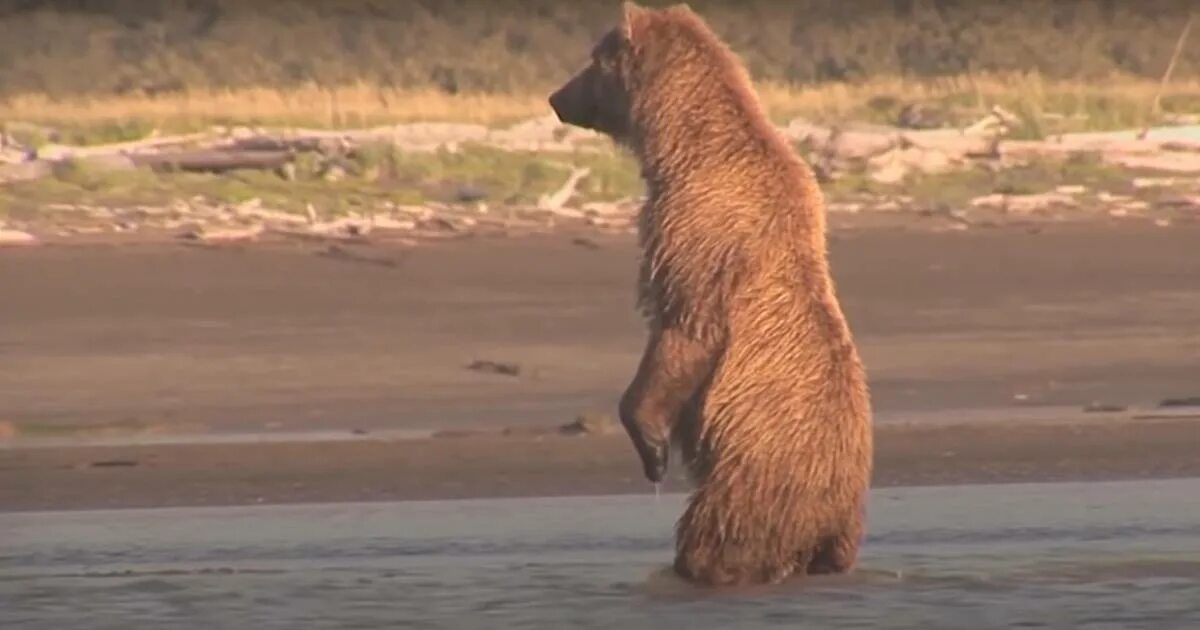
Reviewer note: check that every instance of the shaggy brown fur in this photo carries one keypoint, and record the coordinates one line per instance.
(750, 366)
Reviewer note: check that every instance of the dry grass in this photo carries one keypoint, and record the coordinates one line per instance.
(1045, 105)
(349, 106)
(1122, 102)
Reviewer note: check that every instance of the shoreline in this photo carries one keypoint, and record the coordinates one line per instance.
(498, 466)
(599, 424)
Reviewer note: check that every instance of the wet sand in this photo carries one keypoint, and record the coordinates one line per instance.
(954, 326)
(493, 466)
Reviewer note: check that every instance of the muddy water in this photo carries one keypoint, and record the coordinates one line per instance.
(1100, 555)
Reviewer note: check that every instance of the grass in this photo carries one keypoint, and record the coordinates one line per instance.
(1044, 106)
(109, 118)
(372, 176)
(955, 189)
(125, 426)
(379, 174)
(376, 176)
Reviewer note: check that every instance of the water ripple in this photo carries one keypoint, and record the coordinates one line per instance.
(1055, 556)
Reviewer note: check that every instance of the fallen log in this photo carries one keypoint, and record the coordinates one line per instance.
(213, 161)
(218, 235)
(324, 145)
(1169, 162)
(319, 236)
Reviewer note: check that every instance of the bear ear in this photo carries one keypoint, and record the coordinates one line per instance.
(633, 17)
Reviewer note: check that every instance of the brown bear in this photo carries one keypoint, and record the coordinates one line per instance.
(750, 367)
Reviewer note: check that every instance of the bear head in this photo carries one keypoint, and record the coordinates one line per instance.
(600, 97)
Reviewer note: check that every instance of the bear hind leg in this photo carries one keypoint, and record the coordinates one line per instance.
(708, 551)
(835, 554)
(725, 569)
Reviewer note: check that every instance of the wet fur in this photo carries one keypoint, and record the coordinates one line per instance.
(750, 366)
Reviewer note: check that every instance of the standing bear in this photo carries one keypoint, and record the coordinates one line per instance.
(750, 368)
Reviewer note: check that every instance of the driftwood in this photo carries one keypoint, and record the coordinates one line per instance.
(890, 151)
(299, 144)
(15, 237)
(213, 161)
(1154, 104)
(227, 235)
(559, 198)
(204, 160)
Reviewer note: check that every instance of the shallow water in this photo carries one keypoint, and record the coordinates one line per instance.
(1094, 555)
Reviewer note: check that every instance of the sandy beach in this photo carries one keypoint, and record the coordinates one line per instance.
(292, 373)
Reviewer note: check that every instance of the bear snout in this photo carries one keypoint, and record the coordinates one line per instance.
(655, 462)
(565, 106)
(556, 105)
(654, 456)
(570, 102)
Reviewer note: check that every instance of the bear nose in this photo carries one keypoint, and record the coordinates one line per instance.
(555, 103)
(655, 463)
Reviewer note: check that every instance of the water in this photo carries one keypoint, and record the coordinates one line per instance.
(1101, 555)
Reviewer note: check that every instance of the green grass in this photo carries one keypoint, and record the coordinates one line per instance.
(955, 189)
(513, 177)
(378, 175)
(374, 175)
(64, 429)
